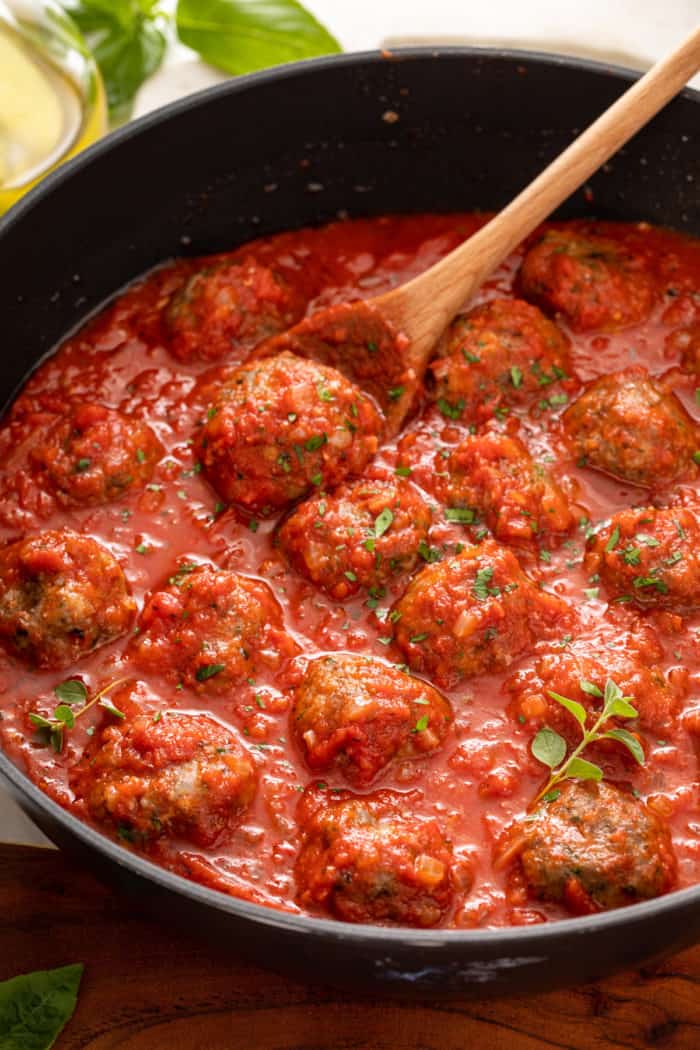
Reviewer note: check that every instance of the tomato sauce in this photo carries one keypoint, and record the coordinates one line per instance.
(484, 776)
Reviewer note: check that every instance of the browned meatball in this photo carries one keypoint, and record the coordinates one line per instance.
(166, 774)
(626, 425)
(95, 454)
(502, 353)
(593, 281)
(359, 537)
(358, 714)
(650, 557)
(473, 614)
(61, 596)
(212, 629)
(494, 476)
(366, 860)
(228, 308)
(283, 426)
(597, 847)
(632, 665)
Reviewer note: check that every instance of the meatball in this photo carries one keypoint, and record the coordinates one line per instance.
(632, 666)
(168, 774)
(212, 629)
(502, 353)
(95, 454)
(282, 426)
(495, 476)
(61, 596)
(594, 282)
(473, 614)
(227, 309)
(358, 714)
(650, 557)
(366, 860)
(596, 847)
(627, 426)
(359, 537)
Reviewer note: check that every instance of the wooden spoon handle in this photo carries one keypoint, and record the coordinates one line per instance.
(427, 304)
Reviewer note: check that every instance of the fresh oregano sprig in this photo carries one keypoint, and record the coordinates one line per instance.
(549, 747)
(72, 692)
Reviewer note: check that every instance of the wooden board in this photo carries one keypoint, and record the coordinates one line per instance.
(147, 988)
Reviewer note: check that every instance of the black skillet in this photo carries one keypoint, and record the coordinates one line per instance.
(279, 150)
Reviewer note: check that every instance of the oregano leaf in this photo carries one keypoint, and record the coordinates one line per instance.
(630, 741)
(548, 747)
(572, 706)
(580, 769)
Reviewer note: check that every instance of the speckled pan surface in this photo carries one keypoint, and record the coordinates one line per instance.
(278, 151)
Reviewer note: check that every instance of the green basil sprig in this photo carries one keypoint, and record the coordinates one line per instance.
(35, 1007)
(129, 38)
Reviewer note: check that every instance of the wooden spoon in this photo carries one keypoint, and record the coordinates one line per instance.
(384, 344)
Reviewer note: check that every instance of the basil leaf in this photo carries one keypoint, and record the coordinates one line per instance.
(35, 1007)
(572, 706)
(580, 769)
(630, 741)
(548, 747)
(128, 40)
(240, 36)
(71, 692)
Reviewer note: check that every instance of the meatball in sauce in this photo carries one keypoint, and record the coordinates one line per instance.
(248, 634)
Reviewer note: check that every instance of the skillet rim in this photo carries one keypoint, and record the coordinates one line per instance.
(510, 940)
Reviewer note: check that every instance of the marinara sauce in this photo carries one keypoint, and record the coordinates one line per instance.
(319, 659)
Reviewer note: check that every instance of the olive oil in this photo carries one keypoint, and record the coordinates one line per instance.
(51, 102)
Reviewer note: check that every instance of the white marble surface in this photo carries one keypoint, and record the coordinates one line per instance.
(630, 32)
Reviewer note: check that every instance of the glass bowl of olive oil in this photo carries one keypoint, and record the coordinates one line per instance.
(52, 101)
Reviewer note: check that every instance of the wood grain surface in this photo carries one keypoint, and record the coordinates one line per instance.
(149, 988)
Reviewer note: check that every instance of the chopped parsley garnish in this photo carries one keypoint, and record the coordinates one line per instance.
(403, 472)
(613, 541)
(429, 554)
(208, 671)
(463, 515)
(451, 411)
(516, 376)
(481, 589)
(315, 442)
(383, 522)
